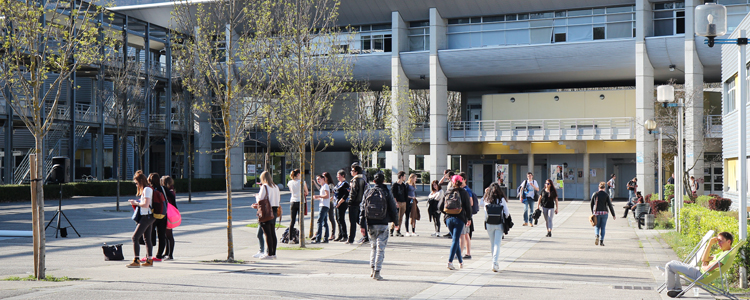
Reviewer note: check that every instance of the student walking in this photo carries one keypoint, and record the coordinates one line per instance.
(496, 210)
(269, 190)
(457, 209)
(358, 187)
(611, 185)
(436, 194)
(549, 204)
(295, 199)
(146, 219)
(600, 202)
(401, 194)
(341, 192)
(167, 189)
(413, 212)
(325, 200)
(526, 192)
(378, 210)
(466, 235)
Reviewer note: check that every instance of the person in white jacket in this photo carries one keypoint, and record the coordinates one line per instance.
(494, 223)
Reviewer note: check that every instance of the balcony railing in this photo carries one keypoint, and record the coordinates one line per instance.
(713, 126)
(421, 133)
(542, 130)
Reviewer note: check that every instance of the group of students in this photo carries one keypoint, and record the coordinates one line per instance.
(150, 213)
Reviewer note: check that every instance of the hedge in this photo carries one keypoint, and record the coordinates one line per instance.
(696, 220)
(14, 192)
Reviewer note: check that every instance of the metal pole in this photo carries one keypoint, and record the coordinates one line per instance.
(661, 172)
(742, 155)
(680, 152)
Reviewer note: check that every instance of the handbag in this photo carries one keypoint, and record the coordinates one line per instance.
(305, 207)
(112, 252)
(265, 212)
(592, 218)
(136, 214)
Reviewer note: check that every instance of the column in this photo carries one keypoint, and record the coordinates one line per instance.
(644, 101)
(694, 128)
(530, 165)
(168, 114)
(8, 139)
(587, 177)
(438, 98)
(202, 138)
(72, 138)
(399, 93)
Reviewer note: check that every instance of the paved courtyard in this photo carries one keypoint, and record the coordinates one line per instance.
(565, 266)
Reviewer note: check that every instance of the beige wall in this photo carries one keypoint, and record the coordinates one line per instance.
(616, 103)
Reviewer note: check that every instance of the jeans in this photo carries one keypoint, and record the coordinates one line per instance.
(631, 195)
(353, 221)
(612, 193)
(407, 215)
(528, 210)
(601, 224)
(294, 209)
(548, 213)
(322, 222)
(341, 219)
(455, 226)
(378, 240)
(496, 237)
(673, 279)
(332, 218)
(261, 240)
(143, 231)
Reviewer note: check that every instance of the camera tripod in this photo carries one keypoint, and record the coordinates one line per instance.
(61, 230)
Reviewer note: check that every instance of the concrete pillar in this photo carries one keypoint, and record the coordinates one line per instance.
(694, 129)
(438, 98)
(587, 177)
(398, 161)
(237, 168)
(202, 145)
(530, 165)
(644, 102)
(8, 164)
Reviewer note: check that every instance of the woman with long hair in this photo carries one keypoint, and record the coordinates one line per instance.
(167, 186)
(549, 204)
(159, 227)
(411, 190)
(325, 199)
(269, 190)
(436, 193)
(295, 200)
(494, 224)
(456, 206)
(331, 204)
(143, 229)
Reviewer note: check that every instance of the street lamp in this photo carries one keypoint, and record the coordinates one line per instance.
(665, 95)
(651, 127)
(711, 21)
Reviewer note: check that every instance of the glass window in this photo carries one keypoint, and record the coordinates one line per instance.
(517, 37)
(541, 35)
(729, 104)
(516, 25)
(680, 23)
(540, 23)
(560, 37)
(578, 21)
(580, 33)
(543, 15)
(731, 2)
(561, 14)
(581, 12)
(381, 27)
(599, 33)
(598, 11)
(493, 38)
(620, 17)
(511, 18)
(663, 14)
(619, 30)
(459, 41)
(614, 10)
(523, 16)
(663, 27)
(419, 24)
(416, 43)
(493, 26)
(493, 19)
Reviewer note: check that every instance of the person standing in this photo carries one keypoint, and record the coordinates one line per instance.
(600, 202)
(436, 193)
(413, 211)
(269, 190)
(341, 192)
(331, 206)
(357, 191)
(693, 186)
(611, 186)
(548, 203)
(527, 191)
(671, 179)
(447, 175)
(456, 206)
(325, 199)
(167, 185)
(295, 199)
(632, 188)
(159, 207)
(400, 193)
(378, 211)
(494, 223)
(143, 229)
(466, 235)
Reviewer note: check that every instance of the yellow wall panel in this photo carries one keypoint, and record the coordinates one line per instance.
(630, 103)
(730, 174)
(610, 146)
(496, 148)
(616, 103)
(544, 106)
(612, 106)
(550, 148)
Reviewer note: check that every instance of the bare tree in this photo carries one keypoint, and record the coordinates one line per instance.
(364, 124)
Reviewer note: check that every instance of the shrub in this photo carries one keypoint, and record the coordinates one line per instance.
(703, 200)
(670, 198)
(696, 220)
(426, 177)
(659, 206)
(664, 220)
(688, 201)
(720, 204)
(647, 199)
(668, 190)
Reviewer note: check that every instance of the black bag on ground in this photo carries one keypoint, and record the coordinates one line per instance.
(285, 238)
(375, 207)
(112, 252)
(536, 215)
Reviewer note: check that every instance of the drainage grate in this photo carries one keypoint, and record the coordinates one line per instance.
(632, 287)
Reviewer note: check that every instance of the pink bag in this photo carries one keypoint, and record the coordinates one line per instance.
(173, 216)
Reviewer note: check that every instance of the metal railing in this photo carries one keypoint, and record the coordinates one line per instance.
(421, 133)
(713, 126)
(542, 129)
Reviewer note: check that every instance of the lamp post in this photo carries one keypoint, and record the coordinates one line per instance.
(651, 127)
(665, 95)
(711, 21)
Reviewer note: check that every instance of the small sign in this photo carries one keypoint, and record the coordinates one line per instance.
(250, 169)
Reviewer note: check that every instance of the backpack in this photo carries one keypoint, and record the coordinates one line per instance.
(475, 207)
(161, 212)
(452, 204)
(375, 204)
(292, 238)
(495, 213)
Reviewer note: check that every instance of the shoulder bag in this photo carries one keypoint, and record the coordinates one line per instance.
(592, 218)
(265, 213)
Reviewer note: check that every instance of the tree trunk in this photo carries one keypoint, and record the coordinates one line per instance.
(303, 198)
(227, 163)
(312, 177)
(38, 207)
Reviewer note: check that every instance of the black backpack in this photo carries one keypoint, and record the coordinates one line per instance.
(452, 204)
(375, 204)
(495, 213)
(293, 239)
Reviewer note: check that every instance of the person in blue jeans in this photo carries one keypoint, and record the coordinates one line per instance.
(527, 192)
(456, 218)
(495, 195)
(325, 200)
(600, 202)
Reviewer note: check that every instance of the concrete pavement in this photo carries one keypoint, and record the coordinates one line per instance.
(565, 266)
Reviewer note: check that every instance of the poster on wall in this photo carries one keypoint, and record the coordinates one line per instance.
(557, 174)
(501, 174)
(570, 175)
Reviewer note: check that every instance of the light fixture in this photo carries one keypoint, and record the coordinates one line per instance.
(422, 77)
(671, 68)
(710, 21)
(601, 97)
(650, 125)
(557, 98)
(512, 99)
(665, 94)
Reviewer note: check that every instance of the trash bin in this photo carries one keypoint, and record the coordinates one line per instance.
(649, 220)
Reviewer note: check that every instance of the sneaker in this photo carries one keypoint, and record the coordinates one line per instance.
(134, 264)
(267, 257)
(347, 243)
(325, 242)
(407, 234)
(414, 234)
(372, 272)
(156, 259)
(399, 234)
(467, 256)
(391, 235)
(596, 241)
(259, 254)
(148, 263)
(377, 276)
(165, 258)
(673, 294)
(525, 224)
(451, 267)
(273, 257)
(143, 260)
(495, 268)
(447, 235)
(365, 242)
(601, 243)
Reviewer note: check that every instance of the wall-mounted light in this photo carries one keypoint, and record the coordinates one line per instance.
(512, 99)
(557, 98)
(423, 77)
(671, 68)
(601, 97)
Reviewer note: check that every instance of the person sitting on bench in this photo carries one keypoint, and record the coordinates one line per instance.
(674, 288)
(631, 206)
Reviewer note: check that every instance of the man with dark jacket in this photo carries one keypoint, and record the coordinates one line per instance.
(400, 192)
(358, 187)
(377, 229)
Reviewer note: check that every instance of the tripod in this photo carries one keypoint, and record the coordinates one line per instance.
(62, 230)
